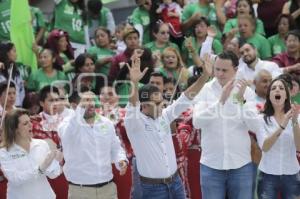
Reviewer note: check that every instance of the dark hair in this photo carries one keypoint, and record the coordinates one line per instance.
(31, 99)
(55, 64)
(157, 26)
(146, 91)
(287, 79)
(295, 33)
(200, 20)
(3, 86)
(249, 2)
(197, 22)
(52, 43)
(296, 78)
(249, 43)
(11, 123)
(104, 30)
(293, 7)
(94, 6)
(289, 18)
(191, 80)
(157, 74)
(5, 47)
(46, 90)
(228, 55)
(268, 107)
(80, 61)
(75, 95)
(170, 80)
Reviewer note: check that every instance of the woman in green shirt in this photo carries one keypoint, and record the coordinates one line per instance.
(85, 72)
(102, 51)
(243, 8)
(246, 26)
(199, 36)
(173, 67)
(161, 36)
(284, 24)
(58, 42)
(69, 15)
(47, 74)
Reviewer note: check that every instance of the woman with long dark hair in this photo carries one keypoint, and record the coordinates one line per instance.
(292, 7)
(279, 140)
(20, 72)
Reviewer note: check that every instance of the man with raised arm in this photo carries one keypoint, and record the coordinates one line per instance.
(148, 128)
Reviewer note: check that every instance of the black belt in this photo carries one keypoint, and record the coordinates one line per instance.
(159, 180)
(92, 185)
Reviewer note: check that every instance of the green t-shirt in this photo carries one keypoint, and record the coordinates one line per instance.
(296, 99)
(151, 45)
(102, 20)
(216, 45)
(38, 79)
(142, 17)
(38, 20)
(233, 23)
(123, 91)
(24, 71)
(262, 45)
(101, 53)
(208, 11)
(68, 18)
(4, 20)
(277, 44)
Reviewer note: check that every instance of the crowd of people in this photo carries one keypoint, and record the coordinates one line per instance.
(185, 99)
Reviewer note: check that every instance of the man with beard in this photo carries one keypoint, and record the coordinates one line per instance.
(90, 146)
(251, 64)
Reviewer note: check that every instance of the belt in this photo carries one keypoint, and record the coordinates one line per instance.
(159, 180)
(92, 185)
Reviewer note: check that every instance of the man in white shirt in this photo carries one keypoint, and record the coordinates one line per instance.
(90, 146)
(262, 81)
(224, 112)
(252, 64)
(148, 128)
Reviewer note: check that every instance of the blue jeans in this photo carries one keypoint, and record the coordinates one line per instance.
(270, 185)
(235, 183)
(173, 190)
(136, 189)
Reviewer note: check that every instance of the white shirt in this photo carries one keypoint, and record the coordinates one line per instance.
(66, 112)
(89, 150)
(245, 72)
(21, 170)
(225, 140)
(281, 158)
(151, 139)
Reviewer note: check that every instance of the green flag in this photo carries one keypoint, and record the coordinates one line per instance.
(21, 32)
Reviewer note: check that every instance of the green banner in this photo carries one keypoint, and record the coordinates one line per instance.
(21, 32)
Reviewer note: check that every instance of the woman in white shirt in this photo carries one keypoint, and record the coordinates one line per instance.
(279, 141)
(26, 162)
